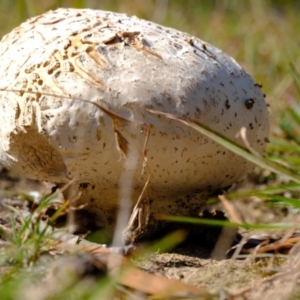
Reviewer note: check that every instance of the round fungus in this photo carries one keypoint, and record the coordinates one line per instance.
(78, 91)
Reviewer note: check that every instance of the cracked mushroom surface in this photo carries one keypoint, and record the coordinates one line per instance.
(55, 67)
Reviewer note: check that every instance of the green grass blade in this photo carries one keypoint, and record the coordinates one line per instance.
(211, 222)
(269, 190)
(294, 202)
(236, 148)
(296, 77)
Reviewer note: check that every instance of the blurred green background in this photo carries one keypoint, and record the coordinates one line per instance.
(263, 36)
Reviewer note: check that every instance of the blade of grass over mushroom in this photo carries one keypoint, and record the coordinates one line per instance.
(269, 190)
(210, 222)
(234, 147)
(276, 198)
(283, 145)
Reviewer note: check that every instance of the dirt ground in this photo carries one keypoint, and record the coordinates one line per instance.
(274, 277)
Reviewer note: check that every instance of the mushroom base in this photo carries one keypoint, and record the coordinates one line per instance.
(142, 221)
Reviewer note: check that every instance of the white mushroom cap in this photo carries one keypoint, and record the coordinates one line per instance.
(127, 66)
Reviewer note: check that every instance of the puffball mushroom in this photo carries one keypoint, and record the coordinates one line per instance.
(78, 91)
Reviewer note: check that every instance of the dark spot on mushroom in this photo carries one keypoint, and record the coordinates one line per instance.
(92, 200)
(56, 75)
(177, 46)
(227, 105)
(251, 126)
(84, 185)
(249, 103)
(258, 85)
(191, 42)
(266, 140)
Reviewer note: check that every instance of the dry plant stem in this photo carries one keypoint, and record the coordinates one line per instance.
(278, 245)
(294, 252)
(243, 135)
(125, 196)
(227, 235)
(7, 231)
(223, 243)
(232, 214)
(139, 218)
(286, 242)
(136, 212)
(141, 211)
(239, 247)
